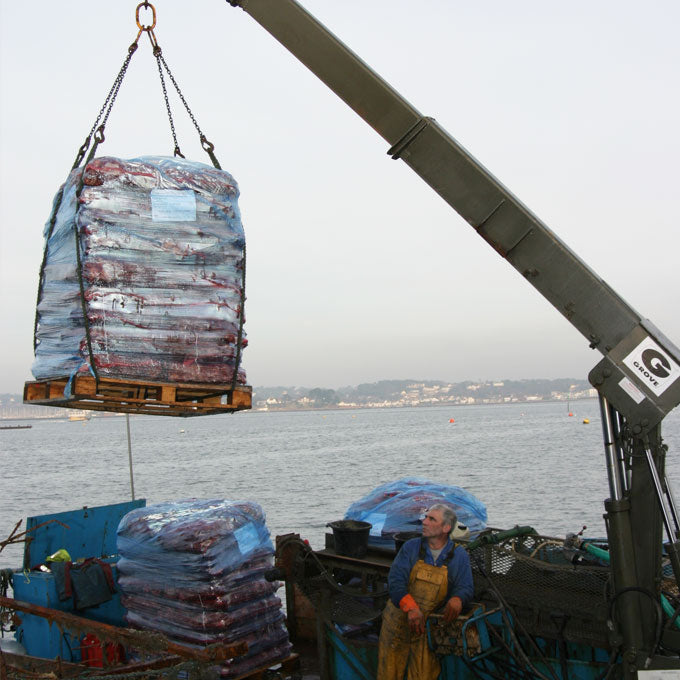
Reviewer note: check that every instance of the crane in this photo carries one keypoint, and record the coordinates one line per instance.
(637, 376)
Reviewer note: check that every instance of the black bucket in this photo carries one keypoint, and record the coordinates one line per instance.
(402, 536)
(350, 537)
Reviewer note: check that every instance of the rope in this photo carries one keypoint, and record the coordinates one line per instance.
(505, 608)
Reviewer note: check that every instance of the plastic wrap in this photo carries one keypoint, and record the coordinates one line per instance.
(183, 630)
(194, 571)
(192, 583)
(162, 256)
(214, 618)
(195, 540)
(223, 594)
(400, 505)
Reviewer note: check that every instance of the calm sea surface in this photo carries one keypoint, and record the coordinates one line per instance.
(529, 463)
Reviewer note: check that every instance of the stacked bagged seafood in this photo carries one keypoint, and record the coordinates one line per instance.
(399, 506)
(194, 571)
(161, 258)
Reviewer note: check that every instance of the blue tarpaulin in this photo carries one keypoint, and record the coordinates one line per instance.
(400, 505)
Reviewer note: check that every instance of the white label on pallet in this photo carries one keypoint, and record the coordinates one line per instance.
(173, 205)
(652, 366)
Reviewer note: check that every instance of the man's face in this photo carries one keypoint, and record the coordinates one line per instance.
(433, 524)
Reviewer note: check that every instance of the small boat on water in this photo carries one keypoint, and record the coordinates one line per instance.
(81, 415)
(15, 427)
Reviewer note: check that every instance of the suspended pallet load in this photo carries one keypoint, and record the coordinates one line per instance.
(142, 286)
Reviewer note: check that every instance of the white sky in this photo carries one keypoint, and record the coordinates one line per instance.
(357, 271)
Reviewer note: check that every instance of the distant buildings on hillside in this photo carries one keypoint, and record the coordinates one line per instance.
(395, 394)
(382, 394)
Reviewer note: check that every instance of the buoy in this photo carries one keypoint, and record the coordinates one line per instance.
(452, 420)
(570, 414)
(586, 421)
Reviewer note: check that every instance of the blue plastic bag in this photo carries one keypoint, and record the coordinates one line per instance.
(400, 505)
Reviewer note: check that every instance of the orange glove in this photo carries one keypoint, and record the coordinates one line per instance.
(416, 620)
(407, 603)
(453, 608)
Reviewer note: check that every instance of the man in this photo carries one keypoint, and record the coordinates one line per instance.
(426, 574)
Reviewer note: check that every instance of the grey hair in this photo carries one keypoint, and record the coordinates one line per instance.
(448, 514)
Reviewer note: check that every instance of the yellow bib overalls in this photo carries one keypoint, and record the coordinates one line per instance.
(398, 650)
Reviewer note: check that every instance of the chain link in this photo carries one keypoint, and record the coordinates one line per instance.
(184, 101)
(108, 102)
(158, 55)
(117, 83)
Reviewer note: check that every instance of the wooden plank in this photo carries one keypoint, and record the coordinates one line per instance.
(168, 393)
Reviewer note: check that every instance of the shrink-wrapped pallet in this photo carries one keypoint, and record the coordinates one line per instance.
(194, 571)
(399, 506)
(155, 290)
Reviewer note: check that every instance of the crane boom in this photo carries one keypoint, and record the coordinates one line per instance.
(643, 393)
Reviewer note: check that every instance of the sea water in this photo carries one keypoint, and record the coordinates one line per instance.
(530, 463)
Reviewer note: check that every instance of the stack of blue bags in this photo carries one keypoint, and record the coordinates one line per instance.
(194, 571)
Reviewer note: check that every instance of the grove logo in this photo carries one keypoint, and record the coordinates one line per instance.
(652, 366)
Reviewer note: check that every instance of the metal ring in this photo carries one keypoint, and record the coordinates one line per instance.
(141, 26)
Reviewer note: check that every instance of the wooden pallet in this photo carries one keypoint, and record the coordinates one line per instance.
(119, 395)
(288, 665)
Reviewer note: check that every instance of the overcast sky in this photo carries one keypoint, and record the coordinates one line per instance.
(357, 271)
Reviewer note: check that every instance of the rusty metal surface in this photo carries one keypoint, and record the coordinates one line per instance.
(143, 640)
(33, 666)
(24, 536)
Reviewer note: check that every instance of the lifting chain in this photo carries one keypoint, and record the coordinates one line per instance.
(97, 131)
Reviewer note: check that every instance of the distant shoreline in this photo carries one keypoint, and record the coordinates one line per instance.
(302, 409)
(529, 402)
